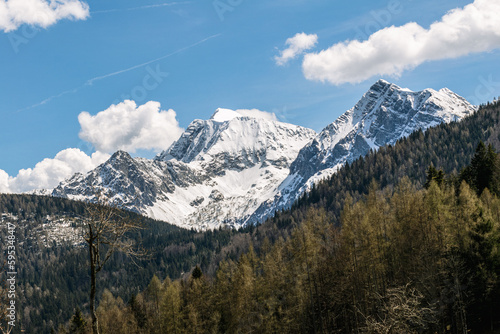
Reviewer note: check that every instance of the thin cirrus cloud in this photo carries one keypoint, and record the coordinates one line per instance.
(126, 126)
(91, 81)
(41, 13)
(50, 172)
(390, 51)
(165, 4)
(296, 46)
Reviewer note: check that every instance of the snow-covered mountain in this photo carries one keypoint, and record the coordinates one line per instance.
(384, 114)
(218, 172)
(233, 169)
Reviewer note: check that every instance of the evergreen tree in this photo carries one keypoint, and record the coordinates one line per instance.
(197, 273)
(483, 171)
(434, 175)
(78, 323)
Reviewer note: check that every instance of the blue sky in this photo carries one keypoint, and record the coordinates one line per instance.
(195, 56)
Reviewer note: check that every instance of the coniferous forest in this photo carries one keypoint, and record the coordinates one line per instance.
(405, 240)
(404, 261)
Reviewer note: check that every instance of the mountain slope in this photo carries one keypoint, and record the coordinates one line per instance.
(448, 146)
(217, 173)
(385, 114)
(51, 257)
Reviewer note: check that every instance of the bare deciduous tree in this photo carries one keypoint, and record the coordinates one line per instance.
(402, 312)
(106, 231)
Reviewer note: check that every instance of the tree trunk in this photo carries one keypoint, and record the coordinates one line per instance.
(93, 315)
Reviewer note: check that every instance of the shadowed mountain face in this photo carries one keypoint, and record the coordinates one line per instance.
(234, 170)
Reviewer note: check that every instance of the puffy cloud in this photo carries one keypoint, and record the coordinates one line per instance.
(49, 173)
(42, 13)
(296, 46)
(127, 127)
(390, 51)
(4, 182)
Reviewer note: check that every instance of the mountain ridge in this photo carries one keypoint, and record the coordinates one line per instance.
(236, 170)
(385, 114)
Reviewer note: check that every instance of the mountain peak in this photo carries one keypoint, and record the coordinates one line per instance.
(381, 84)
(120, 155)
(382, 116)
(446, 90)
(230, 133)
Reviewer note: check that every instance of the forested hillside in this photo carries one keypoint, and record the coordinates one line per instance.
(404, 261)
(367, 251)
(52, 260)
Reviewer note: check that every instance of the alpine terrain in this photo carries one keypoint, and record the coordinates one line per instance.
(384, 114)
(217, 173)
(234, 170)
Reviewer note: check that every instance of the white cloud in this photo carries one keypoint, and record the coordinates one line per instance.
(123, 126)
(4, 182)
(296, 46)
(48, 173)
(223, 115)
(127, 127)
(390, 51)
(256, 113)
(42, 13)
